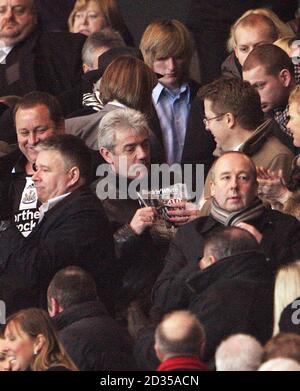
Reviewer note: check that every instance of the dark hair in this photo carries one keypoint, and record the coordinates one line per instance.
(130, 81)
(233, 95)
(73, 150)
(35, 98)
(189, 345)
(271, 57)
(285, 345)
(70, 286)
(225, 242)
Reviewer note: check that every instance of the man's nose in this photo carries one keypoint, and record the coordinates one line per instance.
(233, 183)
(171, 64)
(9, 13)
(32, 139)
(36, 176)
(141, 153)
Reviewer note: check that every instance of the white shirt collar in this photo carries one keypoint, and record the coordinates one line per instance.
(50, 204)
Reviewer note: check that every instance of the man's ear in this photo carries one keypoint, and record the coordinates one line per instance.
(61, 127)
(54, 307)
(285, 77)
(231, 120)
(106, 154)
(212, 188)
(158, 352)
(74, 176)
(85, 68)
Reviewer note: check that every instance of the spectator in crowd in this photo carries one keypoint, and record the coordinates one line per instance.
(235, 202)
(233, 270)
(270, 70)
(233, 115)
(32, 343)
(291, 46)
(286, 290)
(124, 144)
(37, 117)
(179, 342)
(284, 345)
(32, 59)
(89, 16)
(281, 194)
(167, 48)
(5, 364)
(86, 93)
(230, 294)
(239, 352)
(255, 27)
(280, 364)
(119, 89)
(72, 227)
(93, 340)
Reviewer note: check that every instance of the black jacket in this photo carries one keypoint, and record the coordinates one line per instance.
(93, 340)
(280, 242)
(234, 295)
(74, 232)
(44, 61)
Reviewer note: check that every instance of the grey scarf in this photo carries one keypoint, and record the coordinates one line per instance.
(233, 218)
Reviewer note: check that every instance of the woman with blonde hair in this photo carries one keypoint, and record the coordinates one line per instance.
(89, 16)
(32, 343)
(285, 196)
(287, 289)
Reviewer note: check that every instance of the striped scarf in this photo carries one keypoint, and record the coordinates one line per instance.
(233, 218)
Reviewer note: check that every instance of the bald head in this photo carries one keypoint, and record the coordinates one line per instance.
(179, 333)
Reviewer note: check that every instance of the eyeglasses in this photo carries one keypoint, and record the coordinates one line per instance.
(206, 120)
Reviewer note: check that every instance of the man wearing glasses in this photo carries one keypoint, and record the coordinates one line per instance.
(234, 116)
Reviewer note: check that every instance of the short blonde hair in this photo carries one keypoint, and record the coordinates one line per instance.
(287, 289)
(166, 38)
(283, 30)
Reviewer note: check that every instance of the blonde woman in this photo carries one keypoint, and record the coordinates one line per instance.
(287, 289)
(90, 16)
(281, 195)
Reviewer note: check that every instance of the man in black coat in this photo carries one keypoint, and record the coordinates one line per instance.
(232, 293)
(72, 227)
(234, 202)
(34, 60)
(94, 341)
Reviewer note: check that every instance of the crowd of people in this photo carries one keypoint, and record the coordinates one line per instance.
(147, 221)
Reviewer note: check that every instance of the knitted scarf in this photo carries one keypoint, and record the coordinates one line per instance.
(233, 218)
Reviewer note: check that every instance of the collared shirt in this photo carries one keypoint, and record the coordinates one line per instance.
(50, 204)
(4, 51)
(172, 108)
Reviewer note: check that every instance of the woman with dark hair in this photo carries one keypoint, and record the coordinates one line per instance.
(126, 82)
(32, 343)
(89, 16)
(285, 196)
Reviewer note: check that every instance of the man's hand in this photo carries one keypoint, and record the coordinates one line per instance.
(182, 212)
(252, 230)
(272, 186)
(142, 219)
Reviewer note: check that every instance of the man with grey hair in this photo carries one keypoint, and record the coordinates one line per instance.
(32, 59)
(124, 144)
(98, 43)
(84, 98)
(179, 340)
(239, 352)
